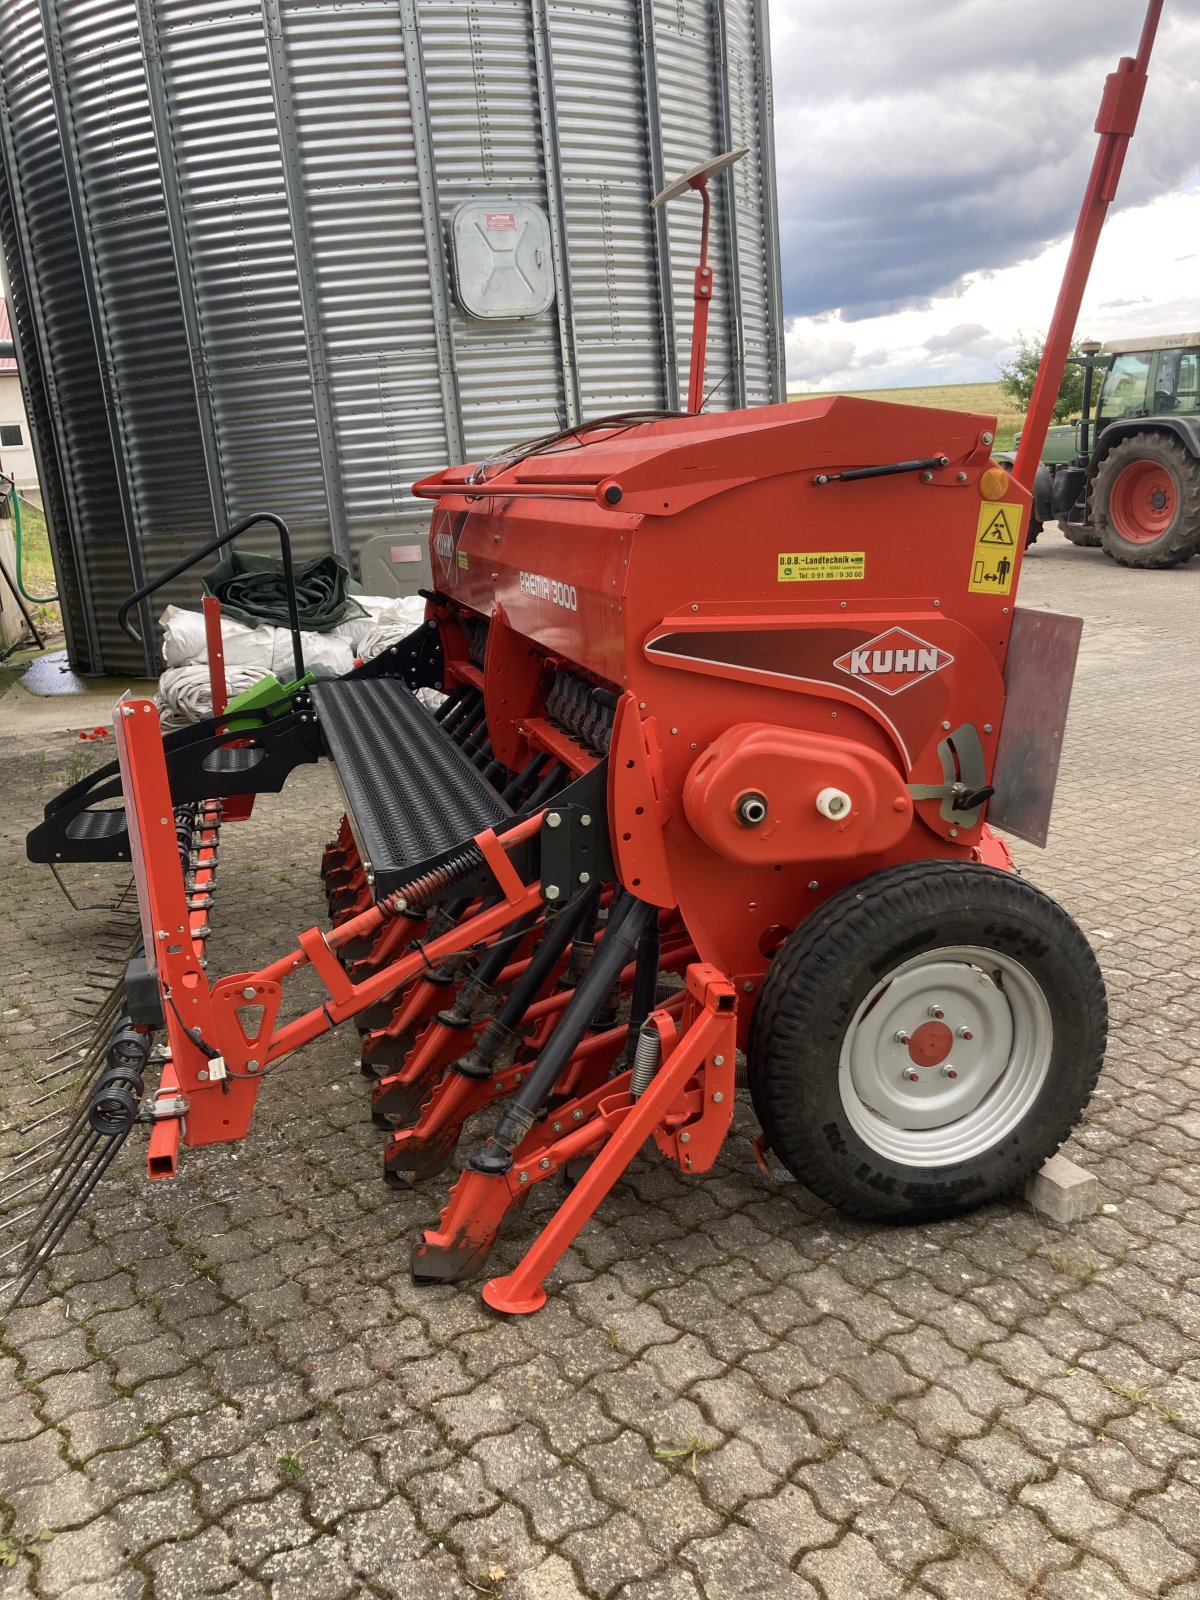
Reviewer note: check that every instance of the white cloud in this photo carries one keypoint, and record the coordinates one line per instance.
(930, 154)
(1144, 280)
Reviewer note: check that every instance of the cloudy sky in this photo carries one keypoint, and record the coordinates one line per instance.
(932, 157)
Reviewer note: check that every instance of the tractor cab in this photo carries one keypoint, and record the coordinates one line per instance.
(1150, 383)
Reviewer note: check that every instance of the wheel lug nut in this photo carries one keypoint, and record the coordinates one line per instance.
(965, 1033)
(901, 1036)
(910, 1076)
(936, 1013)
(949, 1072)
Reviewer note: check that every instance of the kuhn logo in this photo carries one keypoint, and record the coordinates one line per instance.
(893, 661)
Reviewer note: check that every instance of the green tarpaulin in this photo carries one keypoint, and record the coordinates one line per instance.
(250, 589)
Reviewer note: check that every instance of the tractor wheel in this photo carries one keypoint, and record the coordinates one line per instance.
(1147, 502)
(926, 1040)
(1083, 534)
(1035, 527)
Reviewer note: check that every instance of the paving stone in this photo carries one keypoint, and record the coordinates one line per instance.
(671, 1585)
(902, 1533)
(450, 1493)
(724, 1564)
(561, 1504)
(382, 1538)
(1063, 1191)
(1019, 1542)
(939, 1418)
(30, 1461)
(1143, 1554)
(316, 1572)
(850, 1569)
(117, 1473)
(500, 1540)
(789, 1523)
(971, 1576)
(677, 1512)
(1091, 1580)
(552, 1579)
(734, 1474)
(190, 1567)
(147, 1519)
(624, 1469)
(1070, 1506)
(19, 1420)
(84, 1555)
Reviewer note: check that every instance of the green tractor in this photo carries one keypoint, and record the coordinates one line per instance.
(1129, 478)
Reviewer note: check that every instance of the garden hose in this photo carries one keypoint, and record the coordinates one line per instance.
(34, 599)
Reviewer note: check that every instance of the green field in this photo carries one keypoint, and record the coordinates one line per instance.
(988, 398)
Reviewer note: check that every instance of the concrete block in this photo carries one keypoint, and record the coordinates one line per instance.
(1063, 1192)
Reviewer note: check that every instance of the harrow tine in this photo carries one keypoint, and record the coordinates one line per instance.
(71, 1049)
(80, 1027)
(11, 1222)
(38, 1122)
(50, 1094)
(85, 1180)
(22, 1244)
(24, 1189)
(27, 1165)
(24, 1155)
(71, 1066)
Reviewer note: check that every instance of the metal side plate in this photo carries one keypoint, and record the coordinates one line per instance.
(1038, 676)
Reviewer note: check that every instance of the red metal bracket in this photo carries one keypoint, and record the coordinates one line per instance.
(709, 1029)
(215, 650)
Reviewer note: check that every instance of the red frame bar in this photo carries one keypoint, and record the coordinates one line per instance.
(221, 1102)
(1115, 123)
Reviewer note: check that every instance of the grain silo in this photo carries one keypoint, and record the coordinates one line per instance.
(291, 255)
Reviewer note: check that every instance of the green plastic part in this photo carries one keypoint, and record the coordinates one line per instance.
(266, 692)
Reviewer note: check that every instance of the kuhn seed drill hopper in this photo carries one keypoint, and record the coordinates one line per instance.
(726, 701)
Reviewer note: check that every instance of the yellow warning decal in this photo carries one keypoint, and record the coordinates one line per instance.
(816, 566)
(995, 550)
(464, 560)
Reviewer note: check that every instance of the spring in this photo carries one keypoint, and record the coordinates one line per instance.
(646, 1060)
(429, 883)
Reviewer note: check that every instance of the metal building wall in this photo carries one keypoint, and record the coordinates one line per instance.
(253, 198)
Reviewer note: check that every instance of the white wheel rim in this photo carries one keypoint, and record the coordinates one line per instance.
(945, 1056)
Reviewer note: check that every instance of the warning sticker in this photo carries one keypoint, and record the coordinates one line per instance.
(995, 548)
(815, 566)
(464, 560)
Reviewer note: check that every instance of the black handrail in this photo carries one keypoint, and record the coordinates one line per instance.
(289, 580)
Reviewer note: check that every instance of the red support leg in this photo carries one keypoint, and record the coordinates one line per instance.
(712, 1032)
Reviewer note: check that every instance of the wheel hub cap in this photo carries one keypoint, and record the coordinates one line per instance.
(1142, 501)
(945, 1056)
(930, 1044)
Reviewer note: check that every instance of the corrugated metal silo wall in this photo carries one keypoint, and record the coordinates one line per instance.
(257, 192)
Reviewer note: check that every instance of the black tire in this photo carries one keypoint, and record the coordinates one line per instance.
(1035, 527)
(1083, 534)
(826, 970)
(1117, 518)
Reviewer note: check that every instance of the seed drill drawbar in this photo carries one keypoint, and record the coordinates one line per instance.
(727, 702)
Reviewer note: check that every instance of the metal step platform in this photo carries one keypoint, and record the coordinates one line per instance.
(207, 760)
(411, 793)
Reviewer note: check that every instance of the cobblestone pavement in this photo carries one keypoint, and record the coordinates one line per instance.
(231, 1387)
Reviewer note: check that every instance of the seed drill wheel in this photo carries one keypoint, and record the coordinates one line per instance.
(926, 1039)
(1147, 502)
